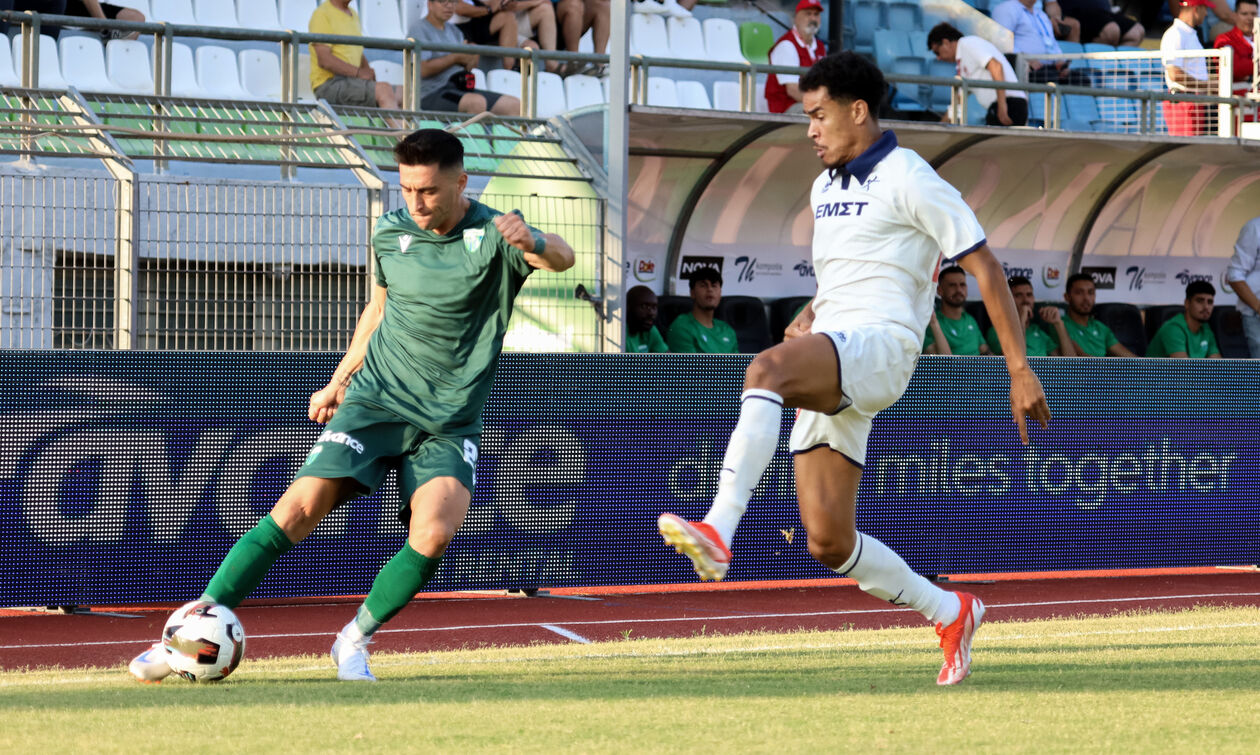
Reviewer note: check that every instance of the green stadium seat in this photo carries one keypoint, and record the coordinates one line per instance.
(755, 41)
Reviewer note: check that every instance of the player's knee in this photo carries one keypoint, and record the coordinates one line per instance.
(832, 550)
(765, 372)
(431, 537)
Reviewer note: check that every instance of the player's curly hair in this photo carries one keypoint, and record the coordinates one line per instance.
(847, 76)
(430, 146)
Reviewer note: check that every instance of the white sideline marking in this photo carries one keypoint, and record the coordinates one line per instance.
(673, 620)
(566, 633)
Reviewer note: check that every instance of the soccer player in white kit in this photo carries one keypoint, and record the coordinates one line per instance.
(882, 219)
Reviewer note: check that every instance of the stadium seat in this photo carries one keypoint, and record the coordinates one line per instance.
(755, 41)
(721, 41)
(551, 100)
(918, 44)
(83, 64)
(1125, 320)
(782, 312)
(686, 37)
(759, 94)
(648, 36)
(258, 14)
(1157, 314)
(184, 72)
(173, 12)
(867, 17)
(1226, 324)
(9, 76)
(380, 18)
(479, 78)
(904, 16)
(386, 70)
(975, 113)
(1081, 107)
(662, 92)
(305, 93)
(217, 73)
(938, 98)
(128, 66)
(747, 315)
(582, 91)
(692, 94)
(1071, 48)
(504, 82)
(669, 307)
(890, 44)
(726, 95)
(295, 14)
(215, 13)
(585, 44)
(260, 74)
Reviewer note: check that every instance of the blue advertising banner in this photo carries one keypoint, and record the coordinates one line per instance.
(126, 476)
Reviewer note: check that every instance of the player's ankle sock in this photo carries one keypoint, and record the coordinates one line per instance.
(247, 563)
(885, 575)
(747, 456)
(362, 626)
(395, 585)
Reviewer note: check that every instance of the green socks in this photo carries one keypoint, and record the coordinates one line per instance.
(396, 584)
(247, 563)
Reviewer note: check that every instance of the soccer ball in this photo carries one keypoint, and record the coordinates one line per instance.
(204, 641)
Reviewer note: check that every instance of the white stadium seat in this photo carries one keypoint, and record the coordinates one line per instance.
(759, 93)
(686, 38)
(215, 13)
(258, 14)
(83, 64)
(184, 73)
(49, 62)
(296, 14)
(721, 41)
(412, 11)
(479, 79)
(582, 91)
(9, 76)
(587, 42)
(173, 12)
(128, 64)
(662, 92)
(551, 100)
(692, 94)
(648, 36)
(726, 95)
(260, 74)
(388, 72)
(305, 93)
(504, 82)
(380, 18)
(217, 73)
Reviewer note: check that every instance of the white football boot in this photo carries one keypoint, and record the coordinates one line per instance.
(352, 659)
(150, 666)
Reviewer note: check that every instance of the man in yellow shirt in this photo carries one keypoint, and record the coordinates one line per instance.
(339, 73)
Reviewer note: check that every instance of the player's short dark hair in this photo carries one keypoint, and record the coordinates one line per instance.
(1074, 278)
(705, 273)
(1248, 2)
(950, 271)
(1017, 280)
(847, 76)
(430, 146)
(1194, 288)
(941, 33)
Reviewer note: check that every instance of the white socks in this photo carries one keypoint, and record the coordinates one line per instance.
(885, 575)
(747, 456)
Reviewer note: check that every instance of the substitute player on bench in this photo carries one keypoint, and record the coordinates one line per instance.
(409, 391)
(882, 219)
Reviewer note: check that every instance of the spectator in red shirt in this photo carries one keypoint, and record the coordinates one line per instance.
(1241, 40)
(799, 47)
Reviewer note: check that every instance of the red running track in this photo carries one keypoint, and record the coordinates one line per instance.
(110, 636)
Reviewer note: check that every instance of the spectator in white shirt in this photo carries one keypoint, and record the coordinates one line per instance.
(1034, 35)
(978, 59)
(1185, 74)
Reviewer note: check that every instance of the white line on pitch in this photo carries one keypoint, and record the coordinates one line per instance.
(566, 633)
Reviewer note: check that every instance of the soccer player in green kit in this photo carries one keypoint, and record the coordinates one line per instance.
(409, 391)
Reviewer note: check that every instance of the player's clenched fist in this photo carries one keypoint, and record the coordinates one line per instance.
(325, 401)
(514, 231)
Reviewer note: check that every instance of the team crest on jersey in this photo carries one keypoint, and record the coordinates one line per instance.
(404, 241)
(472, 239)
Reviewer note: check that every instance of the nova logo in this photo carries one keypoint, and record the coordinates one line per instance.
(691, 264)
(1104, 277)
(839, 209)
(1185, 277)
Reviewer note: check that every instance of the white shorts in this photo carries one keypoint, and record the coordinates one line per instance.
(875, 368)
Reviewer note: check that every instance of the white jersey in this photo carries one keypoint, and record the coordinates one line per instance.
(880, 227)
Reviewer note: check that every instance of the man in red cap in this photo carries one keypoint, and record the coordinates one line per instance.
(1185, 75)
(1239, 37)
(799, 47)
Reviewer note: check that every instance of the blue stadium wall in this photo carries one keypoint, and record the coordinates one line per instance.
(126, 476)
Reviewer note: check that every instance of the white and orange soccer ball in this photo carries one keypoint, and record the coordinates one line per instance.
(204, 641)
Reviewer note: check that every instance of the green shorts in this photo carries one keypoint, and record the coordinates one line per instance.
(363, 442)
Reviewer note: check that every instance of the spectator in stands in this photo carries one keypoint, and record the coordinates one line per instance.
(1188, 335)
(698, 331)
(1243, 275)
(951, 330)
(96, 9)
(536, 21)
(1099, 23)
(800, 46)
(1034, 35)
(1239, 37)
(1090, 336)
(642, 337)
(489, 22)
(1038, 342)
(1065, 27)
(676, 8)
(977, 58)
(1185, 75)
(340, 74)
(446, 77)
(575, 18)
(1220, 18)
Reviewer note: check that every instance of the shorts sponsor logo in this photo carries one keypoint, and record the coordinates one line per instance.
(345, 439)
(1104, 277)
(1051, 276)
(690, 264)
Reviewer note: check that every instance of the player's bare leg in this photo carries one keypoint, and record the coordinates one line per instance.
(438, 508)
(797, 373)
(827, 485)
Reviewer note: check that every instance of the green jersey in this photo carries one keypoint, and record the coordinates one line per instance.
(1175, 335)
(687, 335)
(432, 359)
(647, 342)
(1037, 343)
(1094, 339)
(963, 334)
